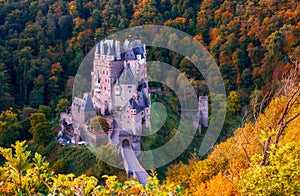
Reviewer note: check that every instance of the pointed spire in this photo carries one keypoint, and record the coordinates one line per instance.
(101, 48)
(97, 49)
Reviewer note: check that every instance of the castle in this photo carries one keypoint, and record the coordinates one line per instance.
(119, 93)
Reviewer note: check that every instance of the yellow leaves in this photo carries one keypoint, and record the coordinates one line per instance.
(72, 8)
(2, 124)
(279, 177)
(217, 185)
(132, 187)
(8, 116)
(20, 176)
(223, 168)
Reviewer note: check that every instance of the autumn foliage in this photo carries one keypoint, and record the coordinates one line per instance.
(261, 158)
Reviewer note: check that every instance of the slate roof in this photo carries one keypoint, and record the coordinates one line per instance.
(97, 48)
(134, 105)
(139, 50)
(127, 76)
(125, 133)
(88, 106)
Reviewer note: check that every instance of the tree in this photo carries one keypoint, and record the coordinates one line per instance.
(59, 166)
(6, 99)
(17, 162)
(21, 176)
(40, 128)
(53, 87)
(9, 128)
(99, 123)
(37, 94)
(61, 106)
(246, 79)
(27, 111)
(146, 12)
(69, 87)
(45, 110)
(280, 177)
(234, 102)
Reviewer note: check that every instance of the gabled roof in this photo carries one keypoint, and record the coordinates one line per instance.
(88, 106)
(127, 76)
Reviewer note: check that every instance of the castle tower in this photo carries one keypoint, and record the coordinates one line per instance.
(203, 108)
(120, 85)
(106, 70)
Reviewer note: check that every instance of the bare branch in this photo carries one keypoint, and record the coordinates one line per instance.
(266, 152)
(280, 131)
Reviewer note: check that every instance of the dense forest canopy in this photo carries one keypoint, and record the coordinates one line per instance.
(256, 44)
(43, 42)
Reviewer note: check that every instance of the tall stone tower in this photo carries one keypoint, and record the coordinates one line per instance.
(120, 85)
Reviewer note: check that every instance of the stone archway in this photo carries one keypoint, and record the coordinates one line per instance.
(125, 143)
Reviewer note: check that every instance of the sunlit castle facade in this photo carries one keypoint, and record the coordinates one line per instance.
(120, 86)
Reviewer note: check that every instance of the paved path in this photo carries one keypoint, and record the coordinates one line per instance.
(132, 164)
(115, 133)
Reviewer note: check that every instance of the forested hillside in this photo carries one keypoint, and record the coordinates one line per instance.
(256, 44)
(43, 42)
(262, 158)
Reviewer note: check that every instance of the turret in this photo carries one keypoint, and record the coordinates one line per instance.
(203, 110)
(118, 51)
(97, 51)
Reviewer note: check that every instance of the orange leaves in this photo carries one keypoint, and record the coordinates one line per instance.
(214, 33)
(72, 8)
(226, 17)
(179, 23)
(180, 20)
(56, 68)
(78, 22)
(199, 38)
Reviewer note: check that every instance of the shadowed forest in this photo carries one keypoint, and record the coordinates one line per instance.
(256, 44)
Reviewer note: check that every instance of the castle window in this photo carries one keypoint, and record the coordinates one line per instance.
(129, 86)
